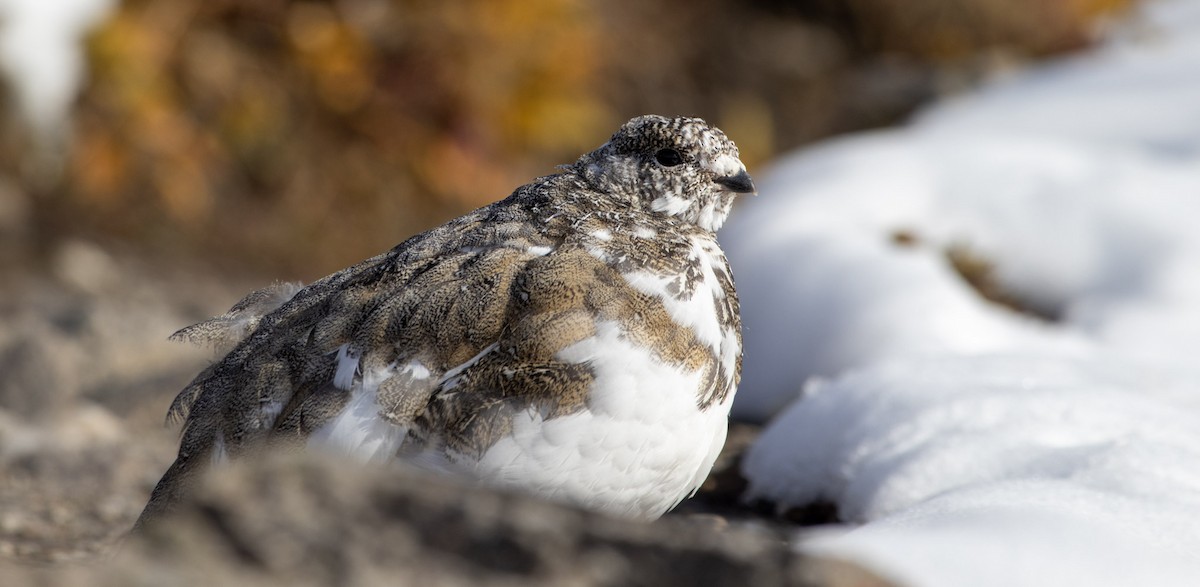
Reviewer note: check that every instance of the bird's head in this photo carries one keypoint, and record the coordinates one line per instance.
(679, 167)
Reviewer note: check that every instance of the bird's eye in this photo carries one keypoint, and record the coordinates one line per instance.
(668, 157)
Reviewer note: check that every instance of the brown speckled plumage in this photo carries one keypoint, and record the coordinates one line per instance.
(506, 286)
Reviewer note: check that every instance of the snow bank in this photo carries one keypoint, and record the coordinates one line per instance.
(1096, 226)
(879, 439)
(1106, 238)
(966, 443)
(999, 470)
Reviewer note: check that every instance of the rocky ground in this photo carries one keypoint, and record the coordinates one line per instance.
(86, 374)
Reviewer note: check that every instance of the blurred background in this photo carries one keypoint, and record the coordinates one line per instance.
(289, 139)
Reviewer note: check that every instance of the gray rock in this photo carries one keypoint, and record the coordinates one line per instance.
(33, 382)
(309, 520)
(300, 519)
(86, 267)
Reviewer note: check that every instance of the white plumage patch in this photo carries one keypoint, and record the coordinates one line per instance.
(268, 412)
(347, 366)
(670, 204)
(359, 430)
(637, 449)
(724, 165)
(645, 232)
(695, 311)
(713, 214)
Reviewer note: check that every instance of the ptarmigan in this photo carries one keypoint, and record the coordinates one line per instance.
(578, 340)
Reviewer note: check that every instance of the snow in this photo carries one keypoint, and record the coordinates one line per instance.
(999, 470)
(964, 443)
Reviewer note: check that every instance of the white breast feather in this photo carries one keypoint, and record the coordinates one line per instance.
(632, 451)
(695, 312)
(359, 430)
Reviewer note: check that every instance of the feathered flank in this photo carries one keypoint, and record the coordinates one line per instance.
(578, 340)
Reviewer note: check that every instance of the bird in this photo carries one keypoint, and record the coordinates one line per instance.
(579, 340)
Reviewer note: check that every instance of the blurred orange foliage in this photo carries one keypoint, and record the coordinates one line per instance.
(304, 135)
(307, 132)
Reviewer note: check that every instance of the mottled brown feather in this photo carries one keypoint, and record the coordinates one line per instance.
(522, 278)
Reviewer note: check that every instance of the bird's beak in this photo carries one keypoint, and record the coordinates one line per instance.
(738, 183)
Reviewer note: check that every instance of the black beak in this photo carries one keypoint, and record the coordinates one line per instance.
(740, 183)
